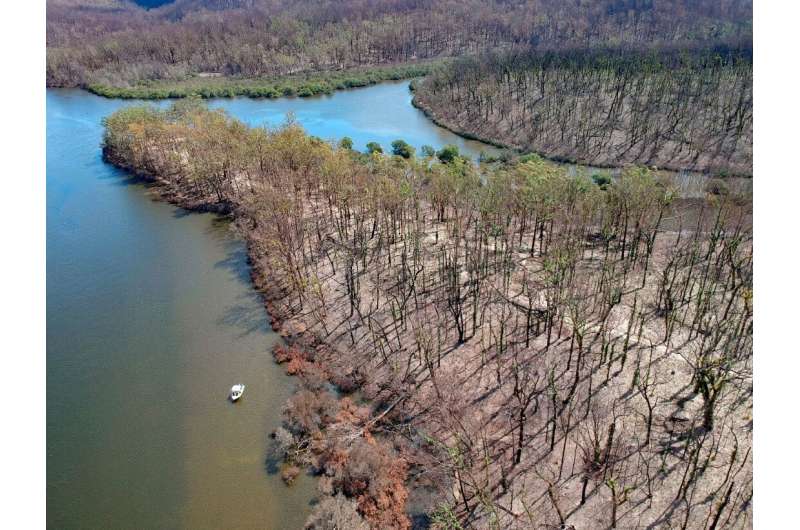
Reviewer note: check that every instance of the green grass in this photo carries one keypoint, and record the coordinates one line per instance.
(312, 84)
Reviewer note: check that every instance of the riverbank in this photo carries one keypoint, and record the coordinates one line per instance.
(682, 117)
(465, 131)
(300, 85)
(146, 300)
(347, 408)
(690, 185)
(431, 114)
(462, 337)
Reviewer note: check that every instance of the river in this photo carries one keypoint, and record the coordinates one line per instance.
(151, 317)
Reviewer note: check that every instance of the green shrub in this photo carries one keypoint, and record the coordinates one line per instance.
(530, 157)
(603, 180)
(374, 147)
(447, 154)
(346, 143)
(402, 148)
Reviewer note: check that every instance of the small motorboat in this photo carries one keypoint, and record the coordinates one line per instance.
(236, 392)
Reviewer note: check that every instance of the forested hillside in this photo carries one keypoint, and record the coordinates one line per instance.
(117, 43)
(537, 350)
(687, 109)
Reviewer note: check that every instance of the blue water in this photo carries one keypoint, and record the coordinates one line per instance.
(151, 317)
(382, 113)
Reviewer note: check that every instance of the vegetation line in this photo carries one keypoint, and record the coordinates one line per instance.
(306, 85)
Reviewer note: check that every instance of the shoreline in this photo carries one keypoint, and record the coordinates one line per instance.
(299, 350)
(377, 415)
(161, 190)
(431, 114)
(302, 85)
(234, 90)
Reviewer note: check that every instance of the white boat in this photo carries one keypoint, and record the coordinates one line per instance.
(237, 391)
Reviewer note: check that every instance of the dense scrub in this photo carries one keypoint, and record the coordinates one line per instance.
(676, 110)
(535, 349)
(293, 85)
(115, 43)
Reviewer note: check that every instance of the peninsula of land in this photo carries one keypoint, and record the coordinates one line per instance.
(493, 345)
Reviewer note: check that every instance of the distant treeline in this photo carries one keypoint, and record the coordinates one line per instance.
(119, 44)
(675, 109)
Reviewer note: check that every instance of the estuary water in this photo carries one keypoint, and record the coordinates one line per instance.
(151, 317)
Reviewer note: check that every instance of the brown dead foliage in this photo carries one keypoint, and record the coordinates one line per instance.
(377, 480)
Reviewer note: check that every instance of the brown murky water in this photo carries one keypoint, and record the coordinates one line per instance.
(151, 318)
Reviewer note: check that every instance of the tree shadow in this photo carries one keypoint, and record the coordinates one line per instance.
(123, 177)
(236, 262)
(273, 460)
(248, 314)
(420, 521)
(180, 213)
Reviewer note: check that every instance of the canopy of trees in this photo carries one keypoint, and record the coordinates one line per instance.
(116, 43)
(538, 350)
